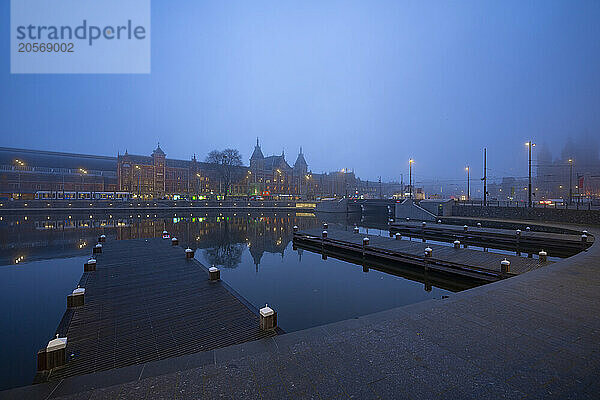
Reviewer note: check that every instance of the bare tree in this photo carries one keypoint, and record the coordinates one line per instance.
(227, 164)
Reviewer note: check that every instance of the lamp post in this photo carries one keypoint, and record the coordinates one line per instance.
(82, 172)
(139, 172)
(410, 163)
(19, 163)
(570, 181)
(530, 145)
(468, 182)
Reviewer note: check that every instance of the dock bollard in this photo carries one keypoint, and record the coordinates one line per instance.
(324, 234)
(518, 232)
(543, 256)
(457, 244)
(189, 253)
(97, 249)
(408, 219)
(439, 221)
(295, 228)
(90, 265)
(465, 228)
(102, 239)
(527, 229)
(365, 241)
(54, 355)
(398, 236)
(505, 266)
(174, 241)
(428, 252)
(77, 298)
(268, 318)
(479, 224)
(584, 238)
(325, 226)
(214, 274)
(585, 232)
(423, 224)
(356, 229)
(165, 235)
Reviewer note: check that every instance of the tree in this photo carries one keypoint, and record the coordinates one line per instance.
(227, 164)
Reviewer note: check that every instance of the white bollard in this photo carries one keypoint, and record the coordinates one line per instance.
(428, 252)
(423, 224)
(398, 236)
(97, 249)
(365, 241)
(56, 352)
(295, 228)
(457, 244)
(268, 318)
(584, 238)
(90, 265)
(76, 298)
(214, 274)
(325, 226)
(439, 221)
(189, 253)
(505, 266)
(518, 232)
(324, 234)
(356, 229)
(465, 228)
(527, 229)
(543, 256)
(479, 224)
(174, 241)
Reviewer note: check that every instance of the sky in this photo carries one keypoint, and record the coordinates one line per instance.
(364, 85)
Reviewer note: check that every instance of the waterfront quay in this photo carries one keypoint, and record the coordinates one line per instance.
(533, 336)
(42, 206)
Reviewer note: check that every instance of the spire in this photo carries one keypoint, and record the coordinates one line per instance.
(257, 154)
(300, 163)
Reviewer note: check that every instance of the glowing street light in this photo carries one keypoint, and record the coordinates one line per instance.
(530, 145)
(410, 163)
(468, 182)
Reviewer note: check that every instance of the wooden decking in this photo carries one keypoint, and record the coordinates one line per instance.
(468, 263)
(555, 244)
(146, 302)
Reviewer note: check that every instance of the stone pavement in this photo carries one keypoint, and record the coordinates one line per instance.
(534, 336)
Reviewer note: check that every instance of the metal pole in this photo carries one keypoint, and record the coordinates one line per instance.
(410, 178)
(570, 181)
(485, 177)
(529, 188)
(468, 183)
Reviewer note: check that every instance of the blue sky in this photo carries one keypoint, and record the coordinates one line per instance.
(358, 84)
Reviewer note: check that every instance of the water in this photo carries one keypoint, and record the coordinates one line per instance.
(41, 261)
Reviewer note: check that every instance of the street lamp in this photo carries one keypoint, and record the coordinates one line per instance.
(530, 145)
(570, 181)
(138, 182)
(19, 163)
(410, 163)
(468, 182)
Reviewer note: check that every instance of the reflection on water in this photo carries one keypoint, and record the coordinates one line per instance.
(41, 262)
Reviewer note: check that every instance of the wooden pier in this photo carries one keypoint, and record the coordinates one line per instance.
(144, 302)
(526, 241)
(464, 262)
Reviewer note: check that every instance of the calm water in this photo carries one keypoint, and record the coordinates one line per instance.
(41, 262)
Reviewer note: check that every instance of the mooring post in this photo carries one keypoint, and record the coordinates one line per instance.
(356, 229)
(76, 298)
(543, 256)
(268, 318)
(295, 228)
(479, 224)
(214, 274)
(165, 235)
(325, 226)
(504, 266)
(465, 228)
(54, 355)
(457, 244)
(324, 234)
(97, 249)
(174, 241)
(189, 253)
(398, 236)
(90, 265)
(102, 239)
